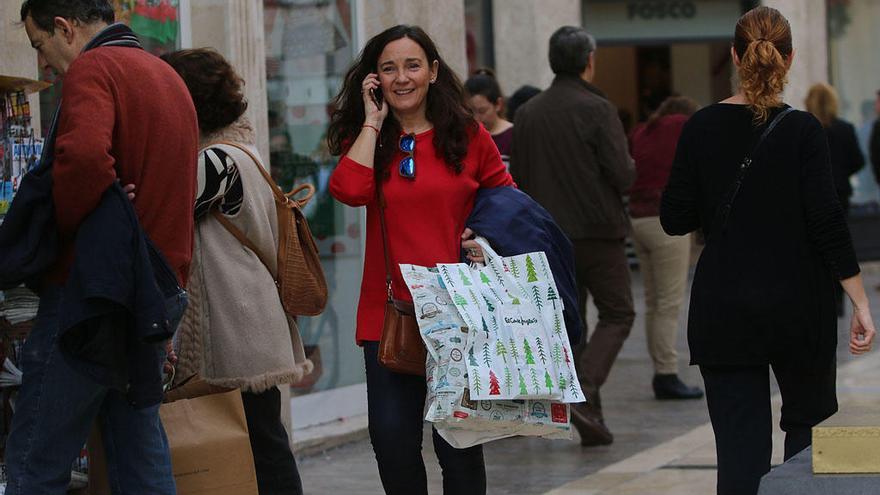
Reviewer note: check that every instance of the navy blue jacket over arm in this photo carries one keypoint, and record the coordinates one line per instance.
(514, 224)
(120, 303)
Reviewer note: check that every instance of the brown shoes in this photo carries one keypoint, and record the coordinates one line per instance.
(590, 426)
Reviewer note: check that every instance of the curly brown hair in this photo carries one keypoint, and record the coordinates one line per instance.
(215, 87)
(762, 42)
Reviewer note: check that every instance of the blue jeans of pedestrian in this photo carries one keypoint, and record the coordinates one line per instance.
(54, 412)
(395, 409)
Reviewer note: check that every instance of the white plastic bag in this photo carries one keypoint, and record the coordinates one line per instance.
(519, 347)
(464, 422)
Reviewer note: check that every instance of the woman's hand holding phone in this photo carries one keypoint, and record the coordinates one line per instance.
(375, 108)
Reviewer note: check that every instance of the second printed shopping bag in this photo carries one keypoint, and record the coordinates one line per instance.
(518, 338)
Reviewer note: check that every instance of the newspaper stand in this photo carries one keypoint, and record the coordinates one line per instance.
(20, 148)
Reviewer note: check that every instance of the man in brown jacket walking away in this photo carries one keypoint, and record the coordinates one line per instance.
(570, 154)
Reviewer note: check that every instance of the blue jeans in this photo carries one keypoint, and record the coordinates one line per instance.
(54, 413)
(395, 410)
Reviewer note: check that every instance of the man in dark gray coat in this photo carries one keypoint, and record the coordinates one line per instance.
(570, 154)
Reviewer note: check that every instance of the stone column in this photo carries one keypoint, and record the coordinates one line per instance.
(235, 29)
(809, 35)
(522, 34)
(17, 58)
(443, 20)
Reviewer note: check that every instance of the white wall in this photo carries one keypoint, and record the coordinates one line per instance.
(443, 20)
(522, 31)
(235, 29)
(807, 19)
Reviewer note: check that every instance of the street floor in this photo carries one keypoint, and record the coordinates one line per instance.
(660, 447)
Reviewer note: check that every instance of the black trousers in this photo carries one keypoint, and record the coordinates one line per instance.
(739, 407)
(395, 409)
(601, 270)
(276, 468)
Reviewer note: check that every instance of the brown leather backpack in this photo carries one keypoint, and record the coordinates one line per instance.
(300, 276)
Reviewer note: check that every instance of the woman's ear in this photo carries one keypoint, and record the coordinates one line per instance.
(734, 56)
(789, 60)
(435, 69)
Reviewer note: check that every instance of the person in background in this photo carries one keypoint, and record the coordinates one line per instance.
(487, 103)
(843, 146)
(874, 142)
(570, 154)
(235, 332)
(763, 292)
(663, 259)
(124, 116)
(518, 98)
(403, 127)
(846, 157)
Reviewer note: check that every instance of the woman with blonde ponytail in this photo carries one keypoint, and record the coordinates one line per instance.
(754, 176)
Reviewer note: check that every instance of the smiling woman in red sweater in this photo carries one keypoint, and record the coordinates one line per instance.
(401, 96)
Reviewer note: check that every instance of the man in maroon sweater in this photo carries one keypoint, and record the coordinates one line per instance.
(125, 116)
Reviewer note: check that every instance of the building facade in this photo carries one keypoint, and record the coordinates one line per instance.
(293, 55)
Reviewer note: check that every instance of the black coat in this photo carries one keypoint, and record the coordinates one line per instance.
(765, 284)
(120, 303)
(874, 149)
(846, 156)
(571, 155)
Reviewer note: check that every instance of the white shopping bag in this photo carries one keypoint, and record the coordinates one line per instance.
(462, 421)
(519, 347)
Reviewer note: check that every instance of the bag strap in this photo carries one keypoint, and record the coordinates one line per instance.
(380, 199)
(283, 200)
(722, 214)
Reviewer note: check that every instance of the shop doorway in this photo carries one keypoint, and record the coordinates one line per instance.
(638, 77)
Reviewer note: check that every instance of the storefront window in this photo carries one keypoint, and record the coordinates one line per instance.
(309, 48)
(855, 73)
(156, 23)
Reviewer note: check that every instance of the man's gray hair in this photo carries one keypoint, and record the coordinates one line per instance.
(570, 48)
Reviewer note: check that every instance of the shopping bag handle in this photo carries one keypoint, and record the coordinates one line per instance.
(488, 252)
(494, 260)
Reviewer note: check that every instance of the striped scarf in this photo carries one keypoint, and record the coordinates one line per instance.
(117, 34)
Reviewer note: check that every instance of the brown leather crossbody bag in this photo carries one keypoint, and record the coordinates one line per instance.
(401, 348)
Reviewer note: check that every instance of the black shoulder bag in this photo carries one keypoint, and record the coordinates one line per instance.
(721, 215)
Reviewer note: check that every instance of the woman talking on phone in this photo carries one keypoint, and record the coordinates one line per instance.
(405, 133)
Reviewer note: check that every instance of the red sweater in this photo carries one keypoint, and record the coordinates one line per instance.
(653, 149)
(425, 217)
(126, 114)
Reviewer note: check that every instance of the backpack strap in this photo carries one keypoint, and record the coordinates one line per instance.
(284, 200)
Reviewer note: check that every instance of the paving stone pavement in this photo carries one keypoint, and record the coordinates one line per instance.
(661, 447)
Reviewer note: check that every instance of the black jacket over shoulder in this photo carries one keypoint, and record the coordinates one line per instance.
(765, 284)
(120, 304)
(570, 154)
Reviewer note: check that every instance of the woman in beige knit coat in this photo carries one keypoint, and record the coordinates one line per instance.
(235, 332)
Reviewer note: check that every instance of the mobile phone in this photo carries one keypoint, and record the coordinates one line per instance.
(376, 96)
